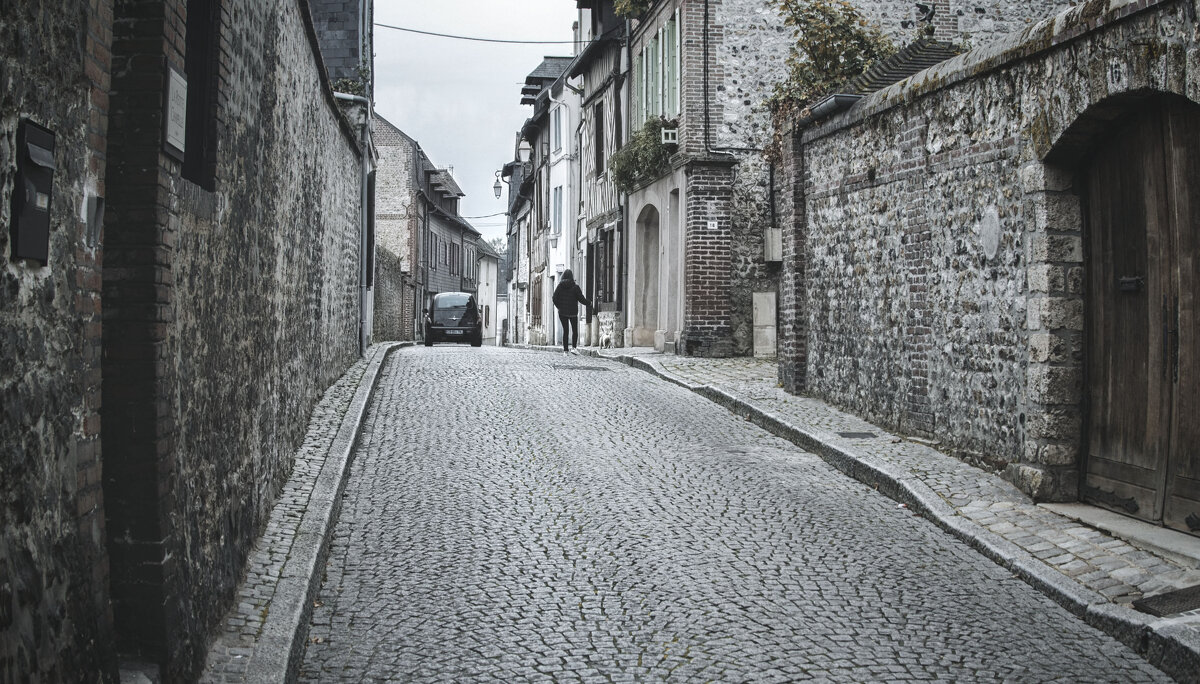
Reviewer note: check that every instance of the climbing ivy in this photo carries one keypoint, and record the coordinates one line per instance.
(834, 43)
(642, 159)
(631, 8)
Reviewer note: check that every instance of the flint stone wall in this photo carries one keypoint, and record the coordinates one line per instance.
(55, 622)
(936, 262)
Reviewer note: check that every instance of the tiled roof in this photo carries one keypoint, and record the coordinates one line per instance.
(913, 58)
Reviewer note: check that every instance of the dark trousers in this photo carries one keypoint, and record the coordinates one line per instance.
(574, 321)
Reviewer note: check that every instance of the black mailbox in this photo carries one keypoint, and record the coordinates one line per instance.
(34, 186)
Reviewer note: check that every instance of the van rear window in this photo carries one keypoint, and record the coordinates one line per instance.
(453, 299)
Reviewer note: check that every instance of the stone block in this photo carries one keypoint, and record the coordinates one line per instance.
(1056, 248)
(1054, 424)
(1053, 384)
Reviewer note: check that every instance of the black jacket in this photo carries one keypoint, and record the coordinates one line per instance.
(568, 296)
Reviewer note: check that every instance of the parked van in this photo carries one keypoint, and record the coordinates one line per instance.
(453, 317)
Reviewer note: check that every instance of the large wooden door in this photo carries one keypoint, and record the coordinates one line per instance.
(1141, 213)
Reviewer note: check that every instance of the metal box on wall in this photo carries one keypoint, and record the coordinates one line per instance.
(32, 190)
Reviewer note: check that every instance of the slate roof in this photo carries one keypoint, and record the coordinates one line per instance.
(443, 181)
(913, 58)
(549, 70)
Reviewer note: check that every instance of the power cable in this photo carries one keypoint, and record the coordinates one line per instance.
(480, 40)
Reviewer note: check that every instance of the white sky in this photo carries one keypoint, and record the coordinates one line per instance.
(460, 100)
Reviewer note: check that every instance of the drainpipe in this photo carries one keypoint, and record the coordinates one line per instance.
(364, 303)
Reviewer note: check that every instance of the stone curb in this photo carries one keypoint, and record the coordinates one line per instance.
(1170, 647)
(279, 650)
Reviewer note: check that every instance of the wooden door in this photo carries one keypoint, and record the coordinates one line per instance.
(1140, 240)
(1182, 142)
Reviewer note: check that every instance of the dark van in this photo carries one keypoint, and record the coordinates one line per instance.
(453, 317)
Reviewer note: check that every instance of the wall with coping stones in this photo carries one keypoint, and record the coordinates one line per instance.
(937, 283)
(750, 47)
(227, 313)
(55, 622)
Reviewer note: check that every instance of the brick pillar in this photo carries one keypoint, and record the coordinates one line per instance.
(790, 212)
(707, 328)
(918, 415)
(137, 391)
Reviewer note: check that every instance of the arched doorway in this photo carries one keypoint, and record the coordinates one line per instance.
(1141, 206)
(646, 285)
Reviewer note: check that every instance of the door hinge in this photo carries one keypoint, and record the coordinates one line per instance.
(1110, 498)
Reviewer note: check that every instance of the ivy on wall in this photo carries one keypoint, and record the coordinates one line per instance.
(642, 159)
(834, 43)
(631, 8)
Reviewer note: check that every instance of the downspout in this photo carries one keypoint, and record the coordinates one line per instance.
(364, 305)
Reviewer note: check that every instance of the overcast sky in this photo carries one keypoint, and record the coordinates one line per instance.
(460, 100)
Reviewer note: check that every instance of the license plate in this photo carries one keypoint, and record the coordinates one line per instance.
(453, 332)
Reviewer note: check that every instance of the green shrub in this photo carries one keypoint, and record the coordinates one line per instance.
(834, 44)
(642, 159)
(631, 8)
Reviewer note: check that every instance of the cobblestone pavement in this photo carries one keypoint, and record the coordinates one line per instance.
(520, 516)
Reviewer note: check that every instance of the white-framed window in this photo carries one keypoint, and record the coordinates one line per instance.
(556, 126)
(656, 73)
(556, 215)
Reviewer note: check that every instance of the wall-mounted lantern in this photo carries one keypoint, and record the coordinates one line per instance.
(524, 151)
(34, 186)
(497, 187)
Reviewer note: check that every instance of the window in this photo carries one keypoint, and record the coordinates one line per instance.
(656, 74)
(535, 300)
(200, 67)
(606, 282)
(598, 124)
(556, 216)
(556, 127)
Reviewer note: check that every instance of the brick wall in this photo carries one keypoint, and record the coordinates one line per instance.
(227, 312)
(707, 257)
(55, 623)
(933, 275)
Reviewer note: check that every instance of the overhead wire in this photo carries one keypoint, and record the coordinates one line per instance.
(476, 39)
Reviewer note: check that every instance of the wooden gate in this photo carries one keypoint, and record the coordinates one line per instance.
(1142, 222)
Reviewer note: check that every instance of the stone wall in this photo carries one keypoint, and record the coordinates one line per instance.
(935, 264)
(227, 312)
(393, 298)
(749, 47)
(55, 622)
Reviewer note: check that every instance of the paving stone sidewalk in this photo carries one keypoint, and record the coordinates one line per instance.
(262, 637)
(1092, 574)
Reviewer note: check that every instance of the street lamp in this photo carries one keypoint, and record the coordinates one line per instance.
(524, 151)
(496, 188)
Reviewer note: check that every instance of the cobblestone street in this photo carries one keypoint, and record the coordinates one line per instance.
(517, 515)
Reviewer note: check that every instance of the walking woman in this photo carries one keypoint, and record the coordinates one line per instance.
(567, 298)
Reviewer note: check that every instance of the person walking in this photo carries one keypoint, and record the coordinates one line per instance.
(567, 298)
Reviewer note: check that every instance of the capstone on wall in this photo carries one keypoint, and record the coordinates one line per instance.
(935, 248)
(55, 622)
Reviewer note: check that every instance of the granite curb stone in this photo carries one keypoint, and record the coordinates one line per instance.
(264, 634)
(1168, 644)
